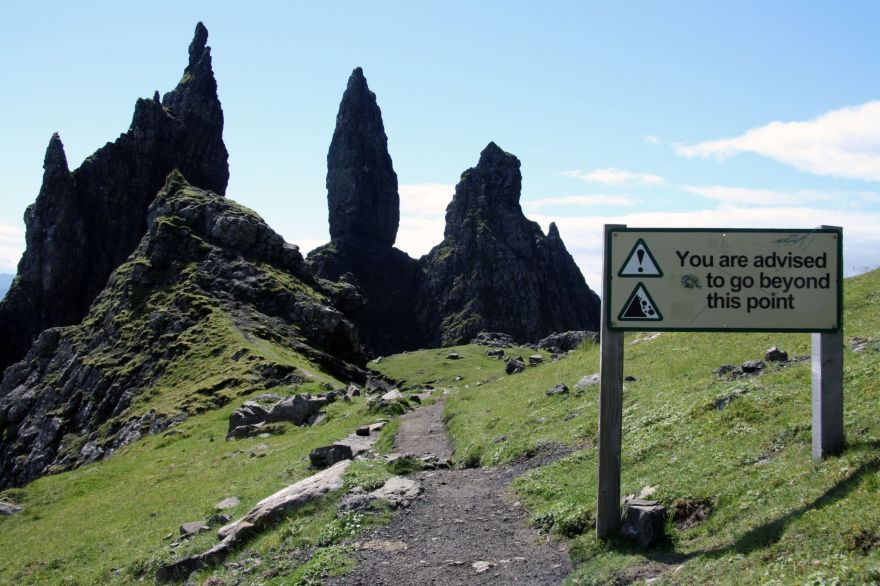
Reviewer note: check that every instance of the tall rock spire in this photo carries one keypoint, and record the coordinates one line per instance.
(361, 182)
(364, 216)
(48, 283)
(195, 103)
(85, 224)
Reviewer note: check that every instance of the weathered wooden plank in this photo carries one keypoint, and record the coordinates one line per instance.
(610, 413)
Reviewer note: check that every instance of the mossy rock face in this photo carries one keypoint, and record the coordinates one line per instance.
(212, 306)
(85, 223)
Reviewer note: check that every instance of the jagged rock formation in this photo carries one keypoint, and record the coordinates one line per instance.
(364, 217)
(495, 270)
(85, 223)
(212, 305)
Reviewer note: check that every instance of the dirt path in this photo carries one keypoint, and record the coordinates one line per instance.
(465, 529)
(422, 432)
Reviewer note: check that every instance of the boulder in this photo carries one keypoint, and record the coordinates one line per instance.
(514, 367)
(535, 360)
(495, 352)
(297, 409)
(393, 395)
(589, 380)
(227, 503)
(248, 414)
(327, 456)
(559, 389)
(452, 356)
(774, 354)
(753, 366)
(494, 339)
(193, 528)
(398, 491)
(643, 521)
(566, 341)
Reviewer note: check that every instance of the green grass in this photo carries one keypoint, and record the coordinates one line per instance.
(81, 526)
(778, 518)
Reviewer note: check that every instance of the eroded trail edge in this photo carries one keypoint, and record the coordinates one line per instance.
(465, 529)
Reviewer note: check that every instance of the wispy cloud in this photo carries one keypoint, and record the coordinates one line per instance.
(760, 197)
(583, 234)
(584, 201)
(839, 143)
(612, 176)
(651, 139)
(425, 198)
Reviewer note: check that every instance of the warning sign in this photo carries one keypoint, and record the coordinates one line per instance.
(640, 306)
(724, 279)
(640, 262)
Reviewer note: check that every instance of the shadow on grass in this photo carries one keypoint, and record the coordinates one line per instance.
(771, 532)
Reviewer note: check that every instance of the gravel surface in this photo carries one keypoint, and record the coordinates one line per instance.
(464, 529)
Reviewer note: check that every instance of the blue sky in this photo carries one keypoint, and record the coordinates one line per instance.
(646, 113)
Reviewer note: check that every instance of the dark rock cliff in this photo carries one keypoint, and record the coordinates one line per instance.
(361, 182)
(211, 306)
(364, 217)
(495, 270)
(84, 224)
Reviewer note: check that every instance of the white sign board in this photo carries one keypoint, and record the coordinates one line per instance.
(724, 279)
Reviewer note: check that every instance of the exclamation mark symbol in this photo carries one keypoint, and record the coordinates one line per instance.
(641, 254)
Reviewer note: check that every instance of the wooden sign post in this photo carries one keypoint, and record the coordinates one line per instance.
(718, 280)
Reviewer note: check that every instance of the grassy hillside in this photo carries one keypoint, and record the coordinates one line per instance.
(776, 518)
(740, 448)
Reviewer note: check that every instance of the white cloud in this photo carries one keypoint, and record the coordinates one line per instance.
(425, 198)
(760, 197)
(306, 245)
(417, 235)
(651, 139)
(583, 234)
(584, 201)
(422, 216)
(839, 143)
(11, 247)
(612, 176)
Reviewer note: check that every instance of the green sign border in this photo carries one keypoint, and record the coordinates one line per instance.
(630, 327)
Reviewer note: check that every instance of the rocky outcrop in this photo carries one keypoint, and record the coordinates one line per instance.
(566, 341)
(361, 182)
(495, 270)
(85, 223)
(364, 217)
(188, 318)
